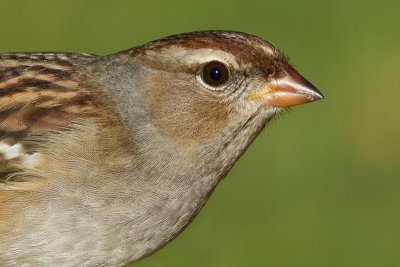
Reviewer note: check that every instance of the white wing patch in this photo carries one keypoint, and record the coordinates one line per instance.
(16, 151)
(30, 161)
(10, 152)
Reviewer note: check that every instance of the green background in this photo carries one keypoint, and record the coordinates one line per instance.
(321, 185)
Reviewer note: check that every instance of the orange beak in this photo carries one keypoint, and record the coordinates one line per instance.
(290, 90)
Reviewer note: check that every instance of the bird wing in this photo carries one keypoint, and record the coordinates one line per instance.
(40, 93)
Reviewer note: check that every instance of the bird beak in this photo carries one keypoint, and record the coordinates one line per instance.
(290, 90)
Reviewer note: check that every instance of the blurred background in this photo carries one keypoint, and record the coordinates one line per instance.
(321, 185)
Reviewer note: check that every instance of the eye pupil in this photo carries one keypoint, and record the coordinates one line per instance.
(215, 73)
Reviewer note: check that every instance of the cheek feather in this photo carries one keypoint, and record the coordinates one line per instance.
(186, 112)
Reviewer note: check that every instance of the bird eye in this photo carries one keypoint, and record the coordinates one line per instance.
(215, 73)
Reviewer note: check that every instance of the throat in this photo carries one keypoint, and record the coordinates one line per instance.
(182, 182)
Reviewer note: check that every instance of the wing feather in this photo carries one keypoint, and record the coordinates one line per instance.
(39, 94)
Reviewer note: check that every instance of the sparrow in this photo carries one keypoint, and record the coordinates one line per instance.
(105, 159)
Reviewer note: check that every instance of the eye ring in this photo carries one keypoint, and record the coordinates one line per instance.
(215, 74)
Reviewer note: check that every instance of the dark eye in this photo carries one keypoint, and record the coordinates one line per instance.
(215, 73)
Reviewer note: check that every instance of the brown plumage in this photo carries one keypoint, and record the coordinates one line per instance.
(103, 160)
(40, 92)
